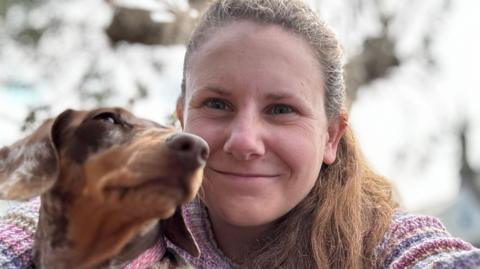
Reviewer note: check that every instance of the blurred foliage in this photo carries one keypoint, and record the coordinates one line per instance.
(25, 32)
(379, 54)
(35, 114)
(92, 86)
(142, 93)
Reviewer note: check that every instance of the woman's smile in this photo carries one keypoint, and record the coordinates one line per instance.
(230, 174)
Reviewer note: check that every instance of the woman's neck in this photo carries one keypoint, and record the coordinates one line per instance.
(236, 241)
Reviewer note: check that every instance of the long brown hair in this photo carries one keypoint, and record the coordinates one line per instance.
(345, 215)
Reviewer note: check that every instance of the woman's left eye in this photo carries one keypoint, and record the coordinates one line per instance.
(280, 109)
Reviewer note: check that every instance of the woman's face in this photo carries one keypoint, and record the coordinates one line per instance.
(255, 94)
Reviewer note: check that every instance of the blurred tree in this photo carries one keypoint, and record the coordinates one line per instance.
(30, 24)
(3, 8)
(379, 54)
(137, 25)
(35, 114)
(470, 178)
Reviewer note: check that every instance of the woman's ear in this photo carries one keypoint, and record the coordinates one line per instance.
(179, 109)
(336, 130)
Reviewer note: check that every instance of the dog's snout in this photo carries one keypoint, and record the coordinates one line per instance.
(189, 145)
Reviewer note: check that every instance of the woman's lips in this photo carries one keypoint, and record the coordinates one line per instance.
(245, 175)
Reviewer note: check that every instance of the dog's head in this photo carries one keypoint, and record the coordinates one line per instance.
(107, 171)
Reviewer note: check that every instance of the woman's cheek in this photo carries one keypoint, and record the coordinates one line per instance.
(209, 129)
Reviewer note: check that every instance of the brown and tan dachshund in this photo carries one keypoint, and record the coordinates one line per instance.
(110, 185)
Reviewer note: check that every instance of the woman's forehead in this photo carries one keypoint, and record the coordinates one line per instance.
(253, 53)
(244, 36)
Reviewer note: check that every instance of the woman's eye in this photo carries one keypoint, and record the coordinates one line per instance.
(106, 117)
(216, 104)
(280, 109)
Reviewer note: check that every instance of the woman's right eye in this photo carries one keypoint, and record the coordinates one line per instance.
(216, 104)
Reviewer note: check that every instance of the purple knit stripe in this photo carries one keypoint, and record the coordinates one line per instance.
(461, 260)
(405, 231)
(9, 259)
(400, 248)
(17, 240)
(406, 227)
(429, 248)
(380, 248)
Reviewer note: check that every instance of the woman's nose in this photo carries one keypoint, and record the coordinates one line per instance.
(244, 141)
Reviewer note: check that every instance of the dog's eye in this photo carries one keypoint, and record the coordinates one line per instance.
(107, 117)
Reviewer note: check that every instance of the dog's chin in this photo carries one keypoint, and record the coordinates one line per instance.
(146, 201)
(146, 197)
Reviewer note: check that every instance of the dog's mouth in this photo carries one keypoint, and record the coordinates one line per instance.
(180, 189)
(149, 184)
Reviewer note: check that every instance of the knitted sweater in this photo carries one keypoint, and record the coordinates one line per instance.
(410, 242)
(17, 229)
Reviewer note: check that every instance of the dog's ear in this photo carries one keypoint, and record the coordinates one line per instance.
(177, 231)
(29, 167)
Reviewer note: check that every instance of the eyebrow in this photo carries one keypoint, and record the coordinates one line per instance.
(272, 96)
(278, 96)
(217, 90)
(285, 95)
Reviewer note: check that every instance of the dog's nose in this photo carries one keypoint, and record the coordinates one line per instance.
(188, 144)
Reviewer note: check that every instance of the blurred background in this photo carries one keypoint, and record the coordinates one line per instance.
(411, 67)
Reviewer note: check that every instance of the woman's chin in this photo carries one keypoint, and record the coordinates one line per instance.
(243, 213)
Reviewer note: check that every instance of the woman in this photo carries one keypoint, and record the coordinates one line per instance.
(285, 186)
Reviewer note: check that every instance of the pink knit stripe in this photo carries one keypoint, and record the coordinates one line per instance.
(412, 225)
(149, 257)
(17, 238)
(430, 248)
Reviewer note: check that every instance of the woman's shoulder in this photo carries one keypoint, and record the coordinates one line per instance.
(418, 241)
